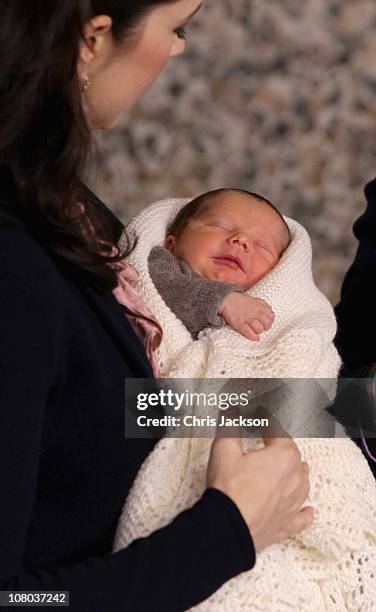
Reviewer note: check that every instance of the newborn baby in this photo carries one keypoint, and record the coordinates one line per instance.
(219, 246)
(214, 250)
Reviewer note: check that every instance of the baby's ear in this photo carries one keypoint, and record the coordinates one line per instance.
(170, 243)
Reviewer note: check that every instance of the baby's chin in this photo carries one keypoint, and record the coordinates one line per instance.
(225, 276)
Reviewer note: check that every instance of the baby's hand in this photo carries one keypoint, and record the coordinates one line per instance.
(247, 315)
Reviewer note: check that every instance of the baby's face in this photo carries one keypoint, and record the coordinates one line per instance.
(235, 241)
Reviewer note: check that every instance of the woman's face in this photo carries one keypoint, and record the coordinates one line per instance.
(120, 75)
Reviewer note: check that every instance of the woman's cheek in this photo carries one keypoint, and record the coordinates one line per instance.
(153, 57)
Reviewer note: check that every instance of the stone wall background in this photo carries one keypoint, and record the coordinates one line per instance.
(275, 96)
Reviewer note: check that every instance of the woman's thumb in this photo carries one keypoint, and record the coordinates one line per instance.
(227, 448)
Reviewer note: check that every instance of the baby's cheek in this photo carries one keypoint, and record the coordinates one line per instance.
(258, 273)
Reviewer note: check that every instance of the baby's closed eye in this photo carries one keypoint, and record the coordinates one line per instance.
(261, 244)
(220, 226)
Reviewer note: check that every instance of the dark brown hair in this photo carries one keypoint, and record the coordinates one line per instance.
(199, 206)
(45, 141)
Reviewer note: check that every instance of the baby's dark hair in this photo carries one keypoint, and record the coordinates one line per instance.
(197, 207)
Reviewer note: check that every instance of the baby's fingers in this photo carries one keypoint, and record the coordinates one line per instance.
(262, 303)
(266, 319)
(256, 325)
(248, 332)
(265, 309)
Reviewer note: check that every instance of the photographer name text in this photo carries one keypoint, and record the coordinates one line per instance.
(194, 421)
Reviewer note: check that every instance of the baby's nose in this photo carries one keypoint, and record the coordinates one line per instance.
(241, 241)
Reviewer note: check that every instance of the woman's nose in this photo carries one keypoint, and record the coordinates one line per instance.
(241, 241)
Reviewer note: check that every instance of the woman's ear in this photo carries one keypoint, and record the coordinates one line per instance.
(170, 243)
(97, 38)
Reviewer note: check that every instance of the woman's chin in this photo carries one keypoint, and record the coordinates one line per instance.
(103, 122)
(108, 124)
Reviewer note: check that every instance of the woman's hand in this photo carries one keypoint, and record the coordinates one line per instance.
(247, 315)
(269, 486)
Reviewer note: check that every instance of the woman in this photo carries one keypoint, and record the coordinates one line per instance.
(356, 337)
(67, 68)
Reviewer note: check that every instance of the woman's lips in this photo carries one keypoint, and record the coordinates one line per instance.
(232, 262)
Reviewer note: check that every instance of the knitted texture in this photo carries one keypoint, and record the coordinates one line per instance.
(193, 299)
(332, 565)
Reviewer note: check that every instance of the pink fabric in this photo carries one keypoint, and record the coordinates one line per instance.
(143, 322)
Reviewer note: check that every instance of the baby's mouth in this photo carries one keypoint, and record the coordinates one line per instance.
(231, 261)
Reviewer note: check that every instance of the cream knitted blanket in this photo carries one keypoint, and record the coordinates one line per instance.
(332, 565)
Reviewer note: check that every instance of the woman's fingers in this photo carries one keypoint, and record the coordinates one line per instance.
(257, 482)
(297, 488)
(301, 521)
